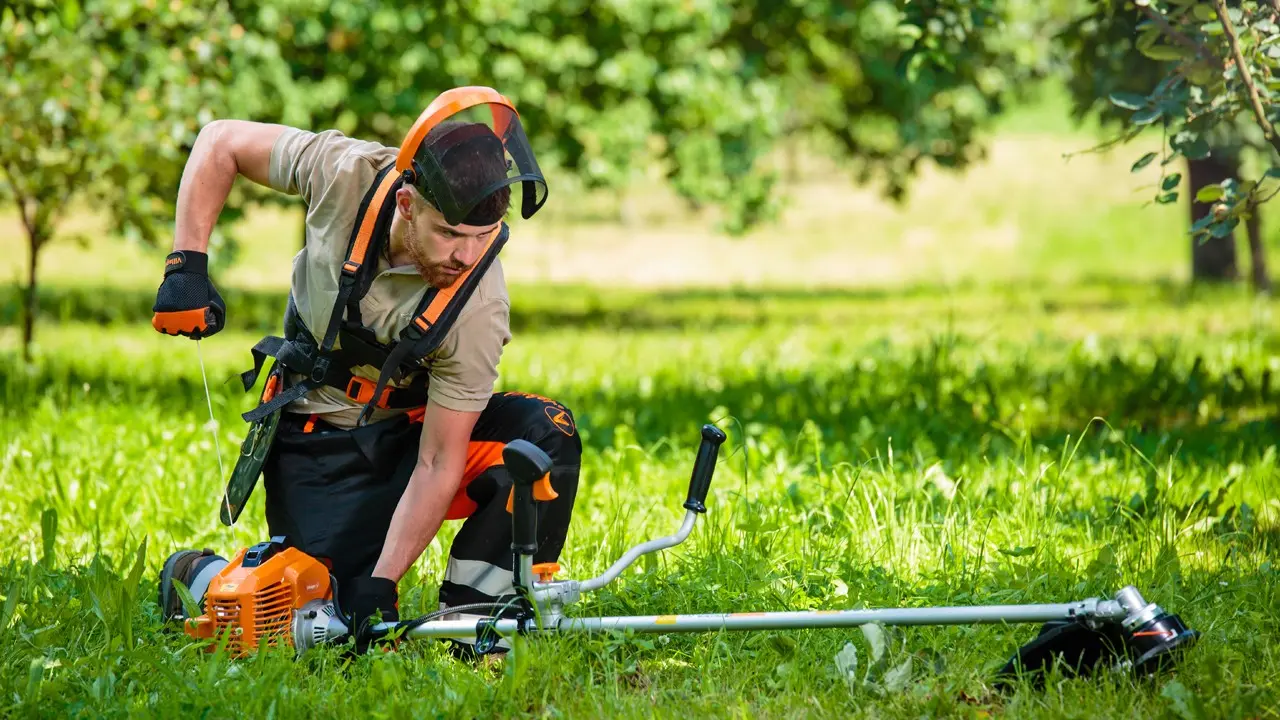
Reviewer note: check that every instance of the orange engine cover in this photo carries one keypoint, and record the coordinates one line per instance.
(253, 606)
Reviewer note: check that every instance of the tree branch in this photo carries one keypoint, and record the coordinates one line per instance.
(27, 221)
(1179, 37)
(1220, 6)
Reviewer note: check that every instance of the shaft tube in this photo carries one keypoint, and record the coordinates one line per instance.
(642, 549)
(831, 618)
(793, 620)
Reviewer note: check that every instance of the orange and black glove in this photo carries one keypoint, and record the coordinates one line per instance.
(187, 303)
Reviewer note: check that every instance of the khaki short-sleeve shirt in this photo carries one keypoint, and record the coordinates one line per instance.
(332, 173)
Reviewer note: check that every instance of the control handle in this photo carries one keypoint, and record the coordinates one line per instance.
(704, 466)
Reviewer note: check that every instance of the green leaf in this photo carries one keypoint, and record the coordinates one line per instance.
(1166, 52)
(877, 639)
(1224, 228)
(1104, 565)
(1142, 162)
(35, 674)
(847, 664)
(1185, 703)
(1204, 12)
(1021, 551)
(1146, 116)
(1127, 100)
(1272, 172)
(1171, 181)
(48, 534)
(1167, 198)
(1209, 193)
(897, 679)
(1212, 28)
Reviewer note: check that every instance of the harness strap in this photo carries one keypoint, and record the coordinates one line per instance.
(319, 364)
(314, 366)
(425, 333)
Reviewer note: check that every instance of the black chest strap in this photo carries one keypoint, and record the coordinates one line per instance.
(319, 364)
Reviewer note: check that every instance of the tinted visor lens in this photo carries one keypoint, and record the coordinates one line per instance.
(469, 166)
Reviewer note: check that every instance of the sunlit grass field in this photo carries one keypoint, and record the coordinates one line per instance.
(1002, 392)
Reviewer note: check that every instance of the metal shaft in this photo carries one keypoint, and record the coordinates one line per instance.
(978, 614)
(652, 546)
(828, 618)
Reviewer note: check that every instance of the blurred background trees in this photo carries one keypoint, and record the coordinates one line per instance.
(102, 98)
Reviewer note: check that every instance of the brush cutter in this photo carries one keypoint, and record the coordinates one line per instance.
(271, 594)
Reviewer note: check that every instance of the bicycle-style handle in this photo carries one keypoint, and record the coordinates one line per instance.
(704, 465)
(527, 464)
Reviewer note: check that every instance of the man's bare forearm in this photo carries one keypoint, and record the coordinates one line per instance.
(418, 517)
(223, 150)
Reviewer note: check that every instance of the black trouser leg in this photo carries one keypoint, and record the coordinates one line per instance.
(481, 562)
(332, 492)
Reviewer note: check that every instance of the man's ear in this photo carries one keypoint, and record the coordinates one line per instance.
(405, 202)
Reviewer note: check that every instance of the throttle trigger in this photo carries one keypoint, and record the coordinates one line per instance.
(542, 490)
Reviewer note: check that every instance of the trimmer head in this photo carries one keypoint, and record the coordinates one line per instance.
(1144, 642)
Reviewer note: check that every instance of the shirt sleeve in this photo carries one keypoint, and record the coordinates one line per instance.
(463, 374)
(306, 163)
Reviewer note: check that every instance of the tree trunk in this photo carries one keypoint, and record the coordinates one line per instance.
(1257, 253)
(1212, 259)
(30, 299)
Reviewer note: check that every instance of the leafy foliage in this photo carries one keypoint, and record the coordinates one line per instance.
(102, 100)
(1217, 79)
(707, 89)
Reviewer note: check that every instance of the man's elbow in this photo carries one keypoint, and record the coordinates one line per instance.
(243, 145)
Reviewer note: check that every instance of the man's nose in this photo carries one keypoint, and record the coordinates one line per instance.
(469, 252)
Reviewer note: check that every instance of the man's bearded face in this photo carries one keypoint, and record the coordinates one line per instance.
(441, 252)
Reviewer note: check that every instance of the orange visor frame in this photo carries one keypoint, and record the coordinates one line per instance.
(452, 102)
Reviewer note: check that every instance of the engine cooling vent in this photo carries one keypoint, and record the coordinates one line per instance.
(320, 631)
(260, 618)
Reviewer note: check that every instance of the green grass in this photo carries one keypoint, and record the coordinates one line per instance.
(1000, 392)
(882, 451)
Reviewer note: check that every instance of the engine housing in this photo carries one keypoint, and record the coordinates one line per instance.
(253, 601)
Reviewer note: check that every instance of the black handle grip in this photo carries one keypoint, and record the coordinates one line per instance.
(526, 463)
(703, 467)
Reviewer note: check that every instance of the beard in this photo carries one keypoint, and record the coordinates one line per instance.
(436, 274)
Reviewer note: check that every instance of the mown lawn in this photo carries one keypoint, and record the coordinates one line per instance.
(1037, 411)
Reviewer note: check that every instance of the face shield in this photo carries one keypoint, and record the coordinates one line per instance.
(465, 154)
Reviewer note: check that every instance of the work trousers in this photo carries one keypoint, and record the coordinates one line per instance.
(332, 491)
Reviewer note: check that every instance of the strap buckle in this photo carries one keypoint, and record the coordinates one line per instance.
(319, 369)
(361, 390)
(417, 328)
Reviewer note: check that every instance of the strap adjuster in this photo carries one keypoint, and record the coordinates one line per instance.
(319, 369)
(361, 390)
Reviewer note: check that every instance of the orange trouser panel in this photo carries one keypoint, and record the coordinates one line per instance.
(481, 455)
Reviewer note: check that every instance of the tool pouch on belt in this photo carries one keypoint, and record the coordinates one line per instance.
(253, 453)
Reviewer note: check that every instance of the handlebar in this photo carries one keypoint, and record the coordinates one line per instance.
(703, 468)
(527, 464)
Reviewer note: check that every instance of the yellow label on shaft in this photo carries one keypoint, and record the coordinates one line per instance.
(665, 620)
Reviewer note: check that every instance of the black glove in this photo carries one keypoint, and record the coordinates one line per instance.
(368, 601)
(187, 303)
